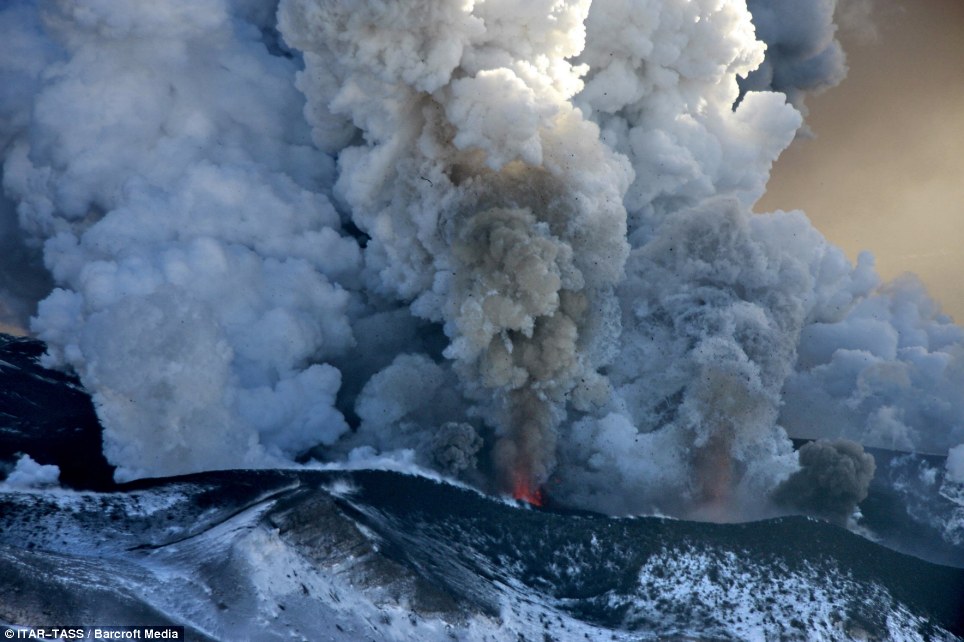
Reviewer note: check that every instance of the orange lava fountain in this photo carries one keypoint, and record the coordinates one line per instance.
(523, 490)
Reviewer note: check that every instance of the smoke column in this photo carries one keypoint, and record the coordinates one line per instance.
(432, 231)
(491, 204)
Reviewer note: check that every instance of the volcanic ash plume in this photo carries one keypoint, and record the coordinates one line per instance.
(160, 159)
(803, 55)
(490, 201)
(833, 478)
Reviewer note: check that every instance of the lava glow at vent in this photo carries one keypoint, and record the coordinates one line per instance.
(524, 491)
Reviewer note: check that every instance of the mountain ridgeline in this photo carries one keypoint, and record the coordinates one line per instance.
(385, 555)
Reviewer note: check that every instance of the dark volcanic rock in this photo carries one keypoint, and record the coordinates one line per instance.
(47, 415)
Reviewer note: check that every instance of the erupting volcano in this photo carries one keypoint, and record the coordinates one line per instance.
(483, 246)
(418, 232)
(523, 491)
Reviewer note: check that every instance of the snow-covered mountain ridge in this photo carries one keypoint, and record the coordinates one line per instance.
(381, 555)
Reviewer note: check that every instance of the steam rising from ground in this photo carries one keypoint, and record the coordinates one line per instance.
(27, 473)
(510, 241)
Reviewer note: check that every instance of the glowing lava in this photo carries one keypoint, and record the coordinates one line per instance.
(523, 490)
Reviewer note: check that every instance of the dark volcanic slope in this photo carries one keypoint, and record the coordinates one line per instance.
(381, 555)
(47, 415)
(612, 571)
(378, 555)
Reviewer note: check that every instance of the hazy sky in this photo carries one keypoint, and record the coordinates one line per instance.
(886, 170)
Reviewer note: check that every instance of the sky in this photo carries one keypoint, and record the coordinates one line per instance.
(884, 170)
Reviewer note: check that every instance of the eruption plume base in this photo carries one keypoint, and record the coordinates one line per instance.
(523, 490)
(525, 456)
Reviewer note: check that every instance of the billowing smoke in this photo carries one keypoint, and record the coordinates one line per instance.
(883, 373)
(27, 473)
(23, 279)
(161, 158)
(490, 202)
(803, 55)
(456, 446)
(505, 240)
(833, 478)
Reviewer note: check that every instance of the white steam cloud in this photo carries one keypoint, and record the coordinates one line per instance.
(509, 240)
(27, 473)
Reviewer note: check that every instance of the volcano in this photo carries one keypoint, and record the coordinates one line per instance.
(444, 319)
(523, 491)
(346, 555)
(349, 554)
